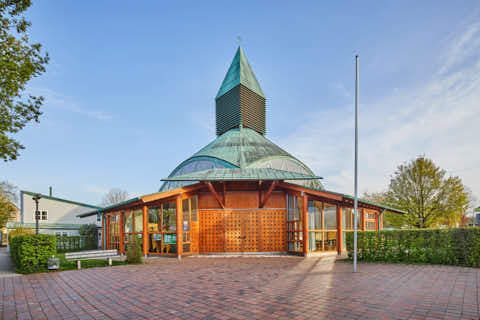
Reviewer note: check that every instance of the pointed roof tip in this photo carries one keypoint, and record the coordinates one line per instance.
(240, 72)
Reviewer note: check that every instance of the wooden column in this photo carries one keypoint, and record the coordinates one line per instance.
(103, 232)
(145, 230)
(305, 224)
(363, 218)
(179, 227)
(380, 220)
(339, 229)
(107, 231)
(121, 228)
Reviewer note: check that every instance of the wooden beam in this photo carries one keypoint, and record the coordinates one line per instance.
(107, 232)
(145, 231)
(269, 193)
(215, 194)
(339, 230)
(305, 224)
(179, 227)
(363, 218)
(121, 234)
(103, 232)
(259, 193)
(313, 192)
(166, 194)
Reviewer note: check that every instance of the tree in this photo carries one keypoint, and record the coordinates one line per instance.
(114, 196)
(20, 61)
(8, 197)
(9, 190)
(390, 219)
(427, 194)
(7, 210)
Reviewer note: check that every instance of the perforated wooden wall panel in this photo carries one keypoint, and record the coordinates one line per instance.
(212, 231)
(252, 230)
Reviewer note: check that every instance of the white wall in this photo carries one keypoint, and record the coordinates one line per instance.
(59, 212)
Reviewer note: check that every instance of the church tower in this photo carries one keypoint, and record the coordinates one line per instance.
(240, 102)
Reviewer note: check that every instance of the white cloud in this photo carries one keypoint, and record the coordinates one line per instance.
(440, 118)
(61, 102)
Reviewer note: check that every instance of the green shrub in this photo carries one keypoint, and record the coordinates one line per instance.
(134, 250)
(436, 246)
(31, 252)
(18, 232)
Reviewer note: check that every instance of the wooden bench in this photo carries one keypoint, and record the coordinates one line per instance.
(91, 254)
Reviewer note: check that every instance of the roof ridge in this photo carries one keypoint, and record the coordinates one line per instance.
(59, 199)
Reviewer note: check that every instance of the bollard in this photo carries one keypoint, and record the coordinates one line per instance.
(109, 261)
(79, 264)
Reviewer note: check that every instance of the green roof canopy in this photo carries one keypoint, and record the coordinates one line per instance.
(242, 174)
(240, 72)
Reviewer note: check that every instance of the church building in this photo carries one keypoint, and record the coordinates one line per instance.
(240, 194)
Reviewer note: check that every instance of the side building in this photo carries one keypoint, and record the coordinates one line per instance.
(57, 216)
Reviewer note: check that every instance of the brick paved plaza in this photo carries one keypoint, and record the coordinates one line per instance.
(245, 288)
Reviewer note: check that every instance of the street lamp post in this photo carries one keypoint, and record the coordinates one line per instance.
(37, 213)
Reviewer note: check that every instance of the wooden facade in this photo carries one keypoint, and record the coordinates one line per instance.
(237, 217)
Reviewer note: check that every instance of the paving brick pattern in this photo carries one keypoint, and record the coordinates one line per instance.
(245, 288)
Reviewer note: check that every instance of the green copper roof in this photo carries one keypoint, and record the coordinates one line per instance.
(240, 72)
(239, 174)
(242, 147)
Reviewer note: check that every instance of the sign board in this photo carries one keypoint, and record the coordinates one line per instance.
(170, 238)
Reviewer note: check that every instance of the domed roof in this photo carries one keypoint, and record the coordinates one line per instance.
(241, 148)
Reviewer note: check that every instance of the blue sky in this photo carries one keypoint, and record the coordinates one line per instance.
(130, 88)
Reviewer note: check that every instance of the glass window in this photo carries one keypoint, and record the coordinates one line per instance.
(154, 219)
(128, 222)
(298, 208)
(314, 215)
(186, 215)
(170, 216)
(315, 240)
(330, 213)
(347, 218)
(194, 208)
(294, 223)
(139, 221)
(290, 206)
(330, 241)
(155, 243)
(322, 218)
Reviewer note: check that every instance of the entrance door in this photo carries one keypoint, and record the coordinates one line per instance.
(255, 230)
(241, 231)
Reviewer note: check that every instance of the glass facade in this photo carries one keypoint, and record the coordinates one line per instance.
(114, 231)
(162, 228)
(294, 224)
(322, 226)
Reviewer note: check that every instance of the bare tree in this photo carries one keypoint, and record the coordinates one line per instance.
(114, 196)
(9, 191)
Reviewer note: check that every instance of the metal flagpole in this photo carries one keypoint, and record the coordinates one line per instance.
(355, 203)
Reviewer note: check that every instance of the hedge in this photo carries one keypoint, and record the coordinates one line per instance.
(76, 243)
(31, 252)
(460, 247)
